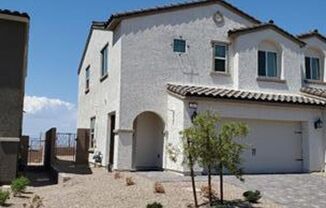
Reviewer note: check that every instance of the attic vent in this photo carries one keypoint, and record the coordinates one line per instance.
(218, 18)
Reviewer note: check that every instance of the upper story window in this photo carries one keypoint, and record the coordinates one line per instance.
(312, 68)
(269, 63)
(104, 60)
(87, 78)
(314, 60)
(220, 57)
(92, 139)
(179, 46)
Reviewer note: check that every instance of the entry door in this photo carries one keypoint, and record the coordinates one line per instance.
(111, 150)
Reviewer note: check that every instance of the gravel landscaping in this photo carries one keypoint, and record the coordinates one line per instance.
(100, 189)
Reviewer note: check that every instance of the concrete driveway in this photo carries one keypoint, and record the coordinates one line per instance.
(289, 190)
(293, 191)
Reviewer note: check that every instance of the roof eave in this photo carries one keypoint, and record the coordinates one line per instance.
(114, 20)
(14, 13)
(244, 31)
(94, 26)
(310, 35)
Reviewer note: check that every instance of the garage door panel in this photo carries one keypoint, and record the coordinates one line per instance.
(272, 147)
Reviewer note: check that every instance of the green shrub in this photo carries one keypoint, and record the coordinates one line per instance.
(252, 196)
(4, 195)
(154, 205)
(19, 185)
(221, 206)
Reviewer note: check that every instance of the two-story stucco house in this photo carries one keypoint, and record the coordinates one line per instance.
(145, 73)
(14, 27)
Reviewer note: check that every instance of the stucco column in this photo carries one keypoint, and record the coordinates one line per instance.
(123, 149)
(313, 147)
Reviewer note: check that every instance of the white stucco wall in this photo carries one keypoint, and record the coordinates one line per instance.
(149, 62)
(316, 44)
(103, 97)
(291, 63)
(173, 140)
(142, 62)
(313, 139)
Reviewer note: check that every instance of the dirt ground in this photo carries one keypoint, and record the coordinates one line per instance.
(100, 189)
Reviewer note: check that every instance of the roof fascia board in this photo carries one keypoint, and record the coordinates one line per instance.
(14, 18)
(115, 20)
(265, 27)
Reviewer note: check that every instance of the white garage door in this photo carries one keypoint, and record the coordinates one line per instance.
(273, 147)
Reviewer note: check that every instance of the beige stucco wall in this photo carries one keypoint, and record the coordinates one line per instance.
(313, 139)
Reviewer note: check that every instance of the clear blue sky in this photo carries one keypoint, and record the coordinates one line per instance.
(59, 29)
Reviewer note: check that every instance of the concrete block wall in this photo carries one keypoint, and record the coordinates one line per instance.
(8, 159)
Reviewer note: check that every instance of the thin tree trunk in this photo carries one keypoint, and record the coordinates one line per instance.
(193, 181)
(210, 185)
(192, 174)
(221, 184)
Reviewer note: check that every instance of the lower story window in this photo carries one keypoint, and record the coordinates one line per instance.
(92, 139)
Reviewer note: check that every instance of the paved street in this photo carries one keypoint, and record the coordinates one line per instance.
(293, 191)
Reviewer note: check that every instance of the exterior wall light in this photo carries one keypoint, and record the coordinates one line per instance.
(193, 107)
(318, 124)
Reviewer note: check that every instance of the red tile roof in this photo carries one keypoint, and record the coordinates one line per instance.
(314, 91)
(223, 93)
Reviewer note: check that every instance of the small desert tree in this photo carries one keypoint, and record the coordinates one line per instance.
(214, 144)
(204, 141)
(229, 151)
(190, 152)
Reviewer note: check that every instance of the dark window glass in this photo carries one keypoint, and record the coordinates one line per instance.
(219, 65)
(179, 46)
(87, 77)
(220, 51)
(308, 68)
(312, 68)
(261, 63)
(92, 133)
(271, 64)
(220, 57)
(267, 64)
(315, 66)
(104, 59)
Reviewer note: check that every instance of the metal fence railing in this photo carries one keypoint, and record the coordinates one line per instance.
(65, 146)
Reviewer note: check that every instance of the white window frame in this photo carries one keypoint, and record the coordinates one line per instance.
(106, 70)
(92, 139)
(173, 45)
(226, 58)
(87, 77)
(278, 72)
(320, 68)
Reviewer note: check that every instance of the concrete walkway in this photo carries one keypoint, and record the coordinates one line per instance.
(292, 191)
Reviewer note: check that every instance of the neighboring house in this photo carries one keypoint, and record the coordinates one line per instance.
(144, 73)
(14, 27)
